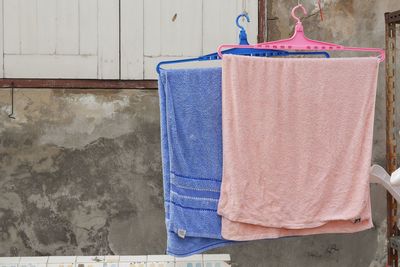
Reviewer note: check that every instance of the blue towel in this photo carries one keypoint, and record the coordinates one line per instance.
(191, 137)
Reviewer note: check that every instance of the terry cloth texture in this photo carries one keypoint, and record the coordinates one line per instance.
(190, 102)
(297, 143)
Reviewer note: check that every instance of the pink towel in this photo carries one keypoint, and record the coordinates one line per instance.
(297, 142)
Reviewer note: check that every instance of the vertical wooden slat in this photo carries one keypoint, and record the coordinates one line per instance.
(67, 27)
(87, 27)
(227, 16)
(190, 19)
(391, 161)
(171, 18)
(181, 27)
(132, 39)
(211, 27)
(152, 27)
(12, 39)
(219, 23)
(108, 39)
(46, 26)
(28, 26)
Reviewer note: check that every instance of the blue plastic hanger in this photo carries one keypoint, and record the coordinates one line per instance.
(241, 51)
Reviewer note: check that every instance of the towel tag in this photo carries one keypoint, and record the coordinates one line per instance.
(181, 233)
(357, 220)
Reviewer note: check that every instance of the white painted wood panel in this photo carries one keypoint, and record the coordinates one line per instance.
(50, 66)
(11, 32)
(108, 39)
(61, 39)
(113, 39)
(152, 27)
(46, 26)
(187, 28)
(191, 27)
(170, 30)
(219, 22)
(88, 27)
(28, 26)
(179, 31)
(132, 49)
(67, 27)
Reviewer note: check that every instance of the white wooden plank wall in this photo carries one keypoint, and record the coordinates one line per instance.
(11, 34)
(152, 27)
(88, 29)
(46, 27)
(28, 33)
(188, 28)
(61, 39)
(113, 39)
(132, 44)
(67, 27)
(108, 39)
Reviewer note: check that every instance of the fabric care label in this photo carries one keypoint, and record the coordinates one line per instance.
(181, 233)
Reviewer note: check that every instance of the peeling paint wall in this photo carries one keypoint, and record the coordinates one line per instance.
(80, 171)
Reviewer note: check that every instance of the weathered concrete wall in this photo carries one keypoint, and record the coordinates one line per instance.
(80, 171)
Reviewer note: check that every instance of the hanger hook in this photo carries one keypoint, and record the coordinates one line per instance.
(294, 10)
(238, 17)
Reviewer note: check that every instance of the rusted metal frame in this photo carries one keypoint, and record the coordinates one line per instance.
(393, 17)
(391, 160)
(261, 21)
(78, 84)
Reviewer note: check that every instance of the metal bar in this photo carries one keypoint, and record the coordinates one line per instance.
(261, 21)
(391, 160)
(78, 84)
(393, 17)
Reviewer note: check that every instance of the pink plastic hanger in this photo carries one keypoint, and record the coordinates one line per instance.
(300, 42)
